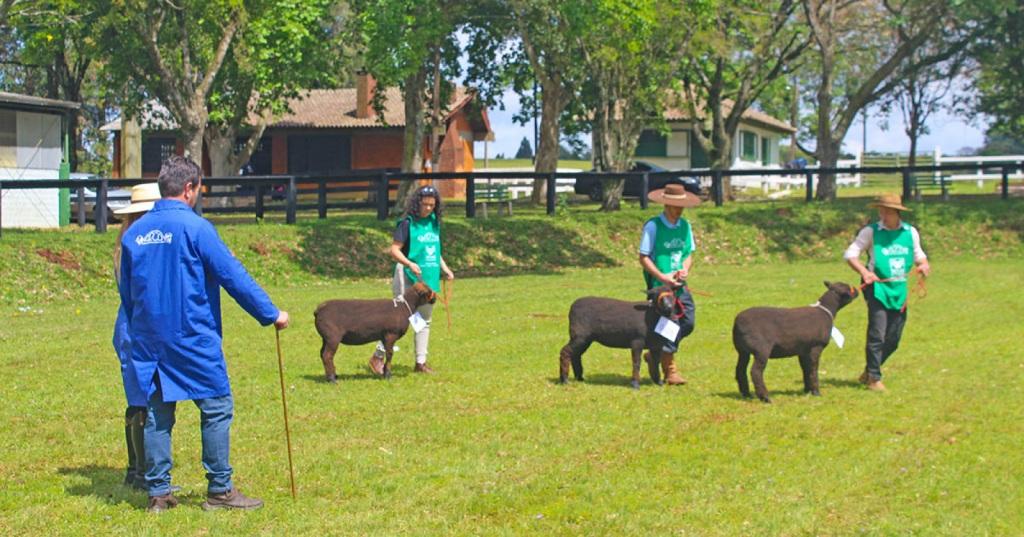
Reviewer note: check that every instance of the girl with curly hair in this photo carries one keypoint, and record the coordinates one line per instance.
(416, 248)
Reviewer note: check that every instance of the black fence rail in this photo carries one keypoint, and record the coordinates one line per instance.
(289, 193)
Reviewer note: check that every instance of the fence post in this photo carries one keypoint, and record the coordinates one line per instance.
(906, 184)
(290, 211)
(471, 196)
(382, 196)
(1006, 183)
(809, 176)
(944, 187)
(259, 202)
(644, 188)
(80, 206)
(321, 199)
(101, 207)
(199, 202)
(551, 193)
(716, 187)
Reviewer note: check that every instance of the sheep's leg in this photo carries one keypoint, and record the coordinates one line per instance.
(805, 366)
(327, 350)
(742, 361)
(389, 348)
(757, 375)
(573, 351)
(565, 357)
(654, 364)
(637, 352)
(815, 357)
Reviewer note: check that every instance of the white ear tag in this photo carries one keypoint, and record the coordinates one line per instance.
(667, 328)
(837, 336)
(417, 322)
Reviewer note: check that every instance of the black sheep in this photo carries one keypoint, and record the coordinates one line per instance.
(781, 332)
(355, 322)
(620, 325)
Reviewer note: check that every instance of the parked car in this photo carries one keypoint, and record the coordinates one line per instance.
(117, 198)
(591, 186)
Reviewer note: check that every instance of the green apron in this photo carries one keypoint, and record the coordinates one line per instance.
(894, 258)
(425, 250)
(671, 248)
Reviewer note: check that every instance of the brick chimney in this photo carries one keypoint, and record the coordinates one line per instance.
(365, 87)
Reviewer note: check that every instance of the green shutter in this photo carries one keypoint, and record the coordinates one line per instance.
(766, 151)
(698, 158)
(651, 144)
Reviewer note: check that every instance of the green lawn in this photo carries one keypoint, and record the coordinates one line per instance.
(491, 445)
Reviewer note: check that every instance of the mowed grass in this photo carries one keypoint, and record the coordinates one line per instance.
(492, 445)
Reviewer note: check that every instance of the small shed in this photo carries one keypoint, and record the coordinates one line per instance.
(33, 146)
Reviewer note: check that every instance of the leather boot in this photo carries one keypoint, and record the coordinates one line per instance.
(864, 378)
(423, 368)
(232, 499)
(668, 368)
(159, 504)
(377, 364)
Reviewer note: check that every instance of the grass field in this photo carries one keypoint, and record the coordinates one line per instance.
(491, 445)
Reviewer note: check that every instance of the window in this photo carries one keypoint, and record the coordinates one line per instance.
(748, 149)
(651, 144)
(678, 144)
(156, 150)
(766, 151)
(260, 161)
(8, 139)
(319, 154)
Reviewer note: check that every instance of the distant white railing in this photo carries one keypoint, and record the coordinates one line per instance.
(981, 175)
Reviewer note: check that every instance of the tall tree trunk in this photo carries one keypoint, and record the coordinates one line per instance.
(552, 105)
(412, 150)
(827, 146)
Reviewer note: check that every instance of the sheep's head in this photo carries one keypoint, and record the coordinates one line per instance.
(425, 293)
(844, 291)
(665, 302)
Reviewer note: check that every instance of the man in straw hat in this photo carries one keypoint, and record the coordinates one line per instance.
(666, 248)
(893, 248)
(172, 268)
(143, 197)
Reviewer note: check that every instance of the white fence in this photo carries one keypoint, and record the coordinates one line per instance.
(980, 176)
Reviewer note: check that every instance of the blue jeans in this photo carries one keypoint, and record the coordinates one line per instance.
(215, 422)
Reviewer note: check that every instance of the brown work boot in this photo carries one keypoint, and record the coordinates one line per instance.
(668, 368)
(159, 504)
(864, 378)
(377, 365)
(876, 386)
(232, 499)
(423, 368)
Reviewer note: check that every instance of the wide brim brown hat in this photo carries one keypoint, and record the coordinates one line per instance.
(674, 195)
(891, 201)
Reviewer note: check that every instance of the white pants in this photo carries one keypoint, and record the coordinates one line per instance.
(422, 338)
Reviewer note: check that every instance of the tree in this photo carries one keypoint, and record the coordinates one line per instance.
(745, 49)
(632, 53)
(5, 10)
(862, 51)
(286, 47)
(171, 52)
(525, 150)
(1000, 81)
(411, 44)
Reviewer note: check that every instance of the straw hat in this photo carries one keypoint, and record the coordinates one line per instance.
(143, 197)
(674, 195)
(892, 201)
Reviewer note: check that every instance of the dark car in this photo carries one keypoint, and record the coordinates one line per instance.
(591, 185)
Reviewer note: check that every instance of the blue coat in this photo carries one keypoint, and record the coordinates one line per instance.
(173, 265)
(134, 393)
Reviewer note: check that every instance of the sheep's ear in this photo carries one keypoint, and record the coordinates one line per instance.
(828, 284)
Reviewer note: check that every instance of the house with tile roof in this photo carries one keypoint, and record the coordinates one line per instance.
(756, 144)
(325, 132)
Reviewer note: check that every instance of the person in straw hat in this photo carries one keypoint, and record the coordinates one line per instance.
(893, 248)
(143, 197)
(666, 248)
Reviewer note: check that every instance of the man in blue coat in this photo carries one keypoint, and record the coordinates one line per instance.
(173, 265)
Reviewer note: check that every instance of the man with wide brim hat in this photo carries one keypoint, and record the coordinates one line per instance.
(894, 251)
(143, 198)
(665, 253)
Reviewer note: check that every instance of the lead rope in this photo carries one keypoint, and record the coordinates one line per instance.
(401, 298)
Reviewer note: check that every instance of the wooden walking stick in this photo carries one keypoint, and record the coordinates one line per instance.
(446, 297)
(284, 404)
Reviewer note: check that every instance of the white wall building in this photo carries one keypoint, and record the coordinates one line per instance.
(31, 135)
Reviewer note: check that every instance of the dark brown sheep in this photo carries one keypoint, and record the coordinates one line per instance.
(356, 322)
(620, 325)
(781, 332)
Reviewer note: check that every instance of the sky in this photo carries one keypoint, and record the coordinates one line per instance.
(949, 132)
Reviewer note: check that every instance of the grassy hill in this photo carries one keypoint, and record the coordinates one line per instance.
(73, 264)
